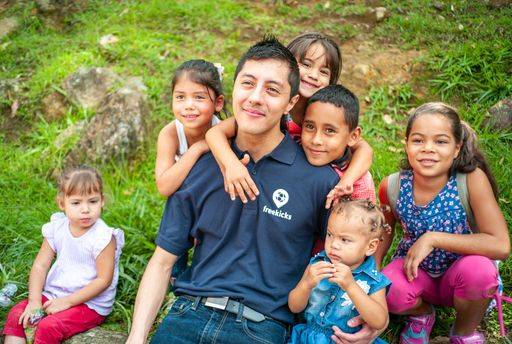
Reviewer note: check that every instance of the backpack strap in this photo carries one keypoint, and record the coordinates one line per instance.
(393, 190)
(462, 187)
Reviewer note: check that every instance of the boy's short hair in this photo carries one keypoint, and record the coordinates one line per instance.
(270, 48)
(341, 97)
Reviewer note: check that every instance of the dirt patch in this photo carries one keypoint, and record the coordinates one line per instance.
(12, 128)
(367, 63)
(57, 13)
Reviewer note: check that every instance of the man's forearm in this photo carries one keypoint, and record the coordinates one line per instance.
(150, 295)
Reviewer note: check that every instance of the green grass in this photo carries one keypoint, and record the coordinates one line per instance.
(468, 66)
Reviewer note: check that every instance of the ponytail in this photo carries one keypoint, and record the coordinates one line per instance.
(470, 156)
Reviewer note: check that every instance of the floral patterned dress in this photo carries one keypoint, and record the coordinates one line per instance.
(445, 213)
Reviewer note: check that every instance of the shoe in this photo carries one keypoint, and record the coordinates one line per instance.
(475, 338)
(417, 329)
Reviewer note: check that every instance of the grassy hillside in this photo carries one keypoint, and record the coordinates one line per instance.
(466, 60)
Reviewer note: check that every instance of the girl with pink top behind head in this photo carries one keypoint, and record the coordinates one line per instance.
(78, 291)
(443, 257)
(319, 60)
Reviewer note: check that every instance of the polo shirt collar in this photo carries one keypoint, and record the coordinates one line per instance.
(285, 152)
(342, 163)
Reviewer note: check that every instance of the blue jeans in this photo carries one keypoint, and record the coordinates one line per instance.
(207, 325)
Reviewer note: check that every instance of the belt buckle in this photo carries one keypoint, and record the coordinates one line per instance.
(217, 302)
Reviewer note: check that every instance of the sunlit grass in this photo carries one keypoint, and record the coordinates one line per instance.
(469, 66)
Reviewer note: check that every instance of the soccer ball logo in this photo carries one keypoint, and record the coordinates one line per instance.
(280, 197)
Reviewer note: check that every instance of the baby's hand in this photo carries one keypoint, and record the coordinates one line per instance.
(238, 181)
(56, 305)
(344, 187)
(31, 308)
(316, 272)
(342, 276)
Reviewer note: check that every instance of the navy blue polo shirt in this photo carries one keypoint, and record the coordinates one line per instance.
(255, 252)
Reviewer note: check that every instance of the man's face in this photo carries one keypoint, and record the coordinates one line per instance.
(261, 95)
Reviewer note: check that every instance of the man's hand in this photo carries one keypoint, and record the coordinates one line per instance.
(364, 336)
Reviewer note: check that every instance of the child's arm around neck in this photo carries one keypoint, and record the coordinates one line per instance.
(362, 158)
(169, 175)
(360, 164)
(237, 180)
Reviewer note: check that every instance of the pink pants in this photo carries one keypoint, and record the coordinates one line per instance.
(469, 278)
(55, 328)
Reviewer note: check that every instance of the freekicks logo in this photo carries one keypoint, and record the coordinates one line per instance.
(280, 198)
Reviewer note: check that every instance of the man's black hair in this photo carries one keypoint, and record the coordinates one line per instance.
(341, 97)
(271, 48)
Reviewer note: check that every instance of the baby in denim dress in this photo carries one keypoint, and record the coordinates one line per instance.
(342, 281)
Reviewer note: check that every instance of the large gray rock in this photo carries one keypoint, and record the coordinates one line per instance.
(88, 87)
(117, 130)
(54, 106)
(499, 115)
(8, 25)
(95, 336)
(98, 336)
(73, 130)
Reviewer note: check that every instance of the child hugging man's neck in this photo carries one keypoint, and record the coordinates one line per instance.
(330, 128)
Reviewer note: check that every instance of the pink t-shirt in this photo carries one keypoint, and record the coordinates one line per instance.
(75, 266)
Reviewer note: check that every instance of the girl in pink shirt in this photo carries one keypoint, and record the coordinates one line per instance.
(78, 291)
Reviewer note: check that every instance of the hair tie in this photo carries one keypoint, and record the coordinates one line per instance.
(220, 69)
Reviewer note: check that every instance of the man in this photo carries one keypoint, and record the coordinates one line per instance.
(249, 255)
